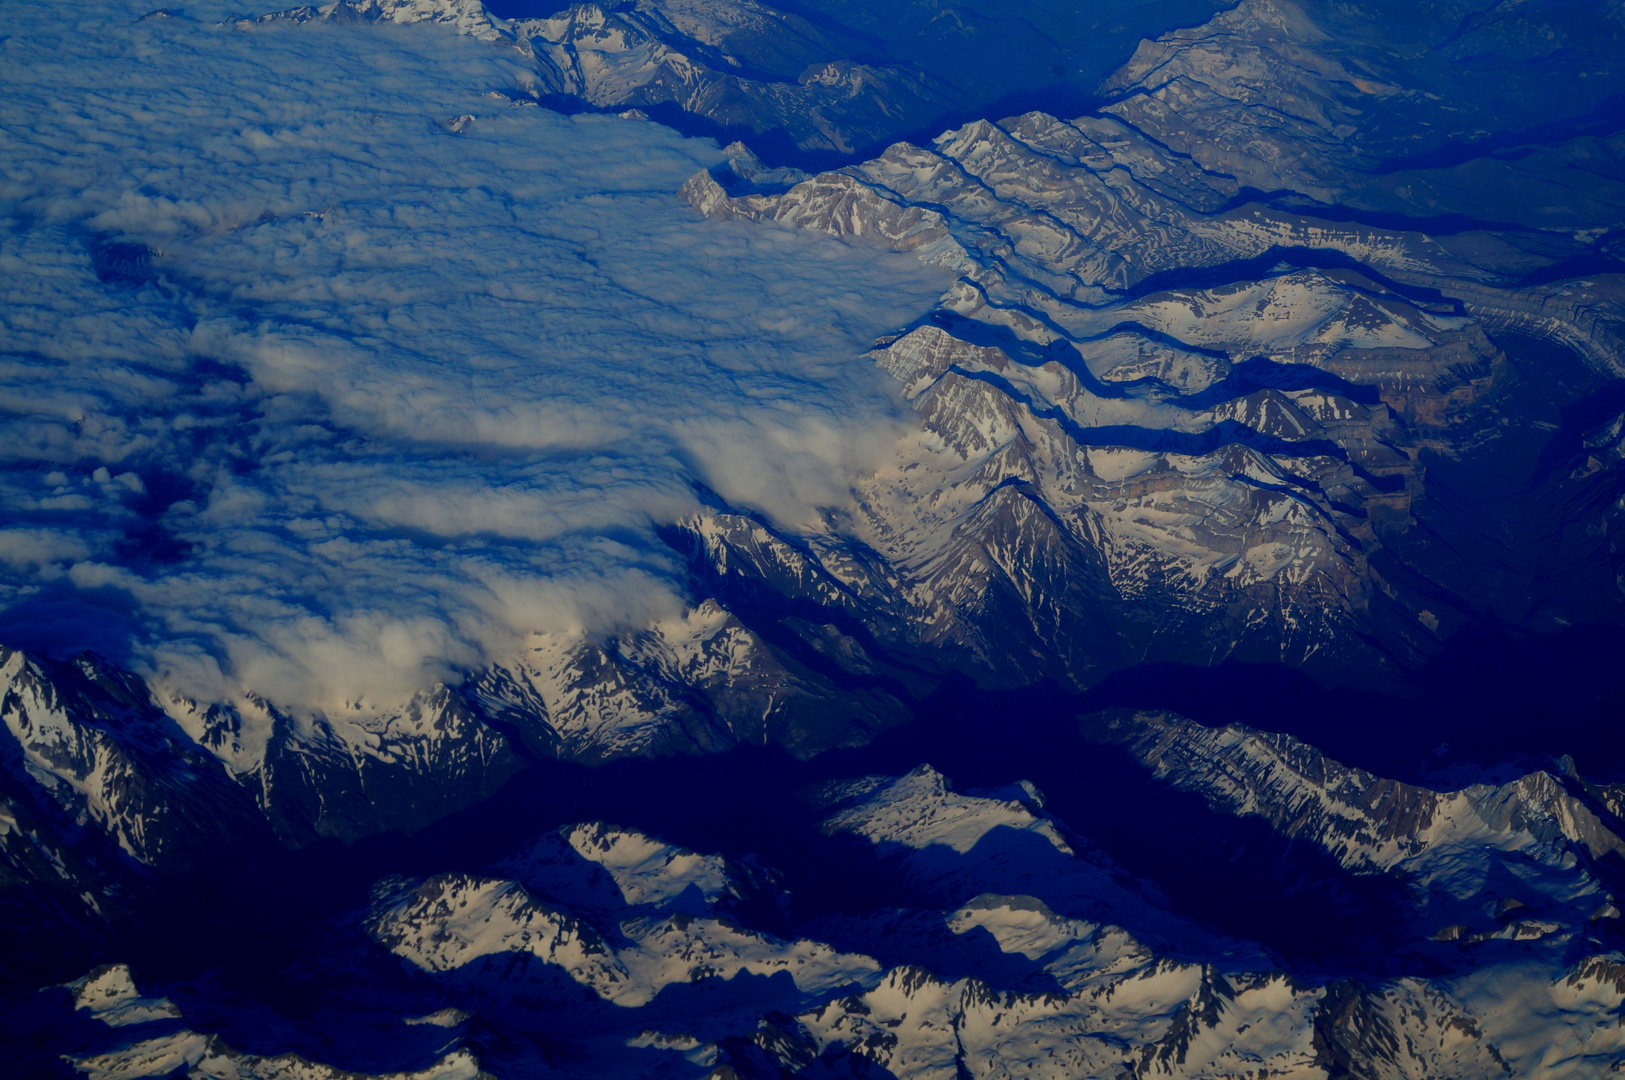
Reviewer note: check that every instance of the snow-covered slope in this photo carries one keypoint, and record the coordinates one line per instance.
(98, 788)
(1311, 102)
(1529, 860)
(701, 682)
(475, 928)
(1153, 421)
(1099, 1002)
(149, 1038)
(92, 750)
(1198, 416)
(744, 67)
(611, 952)
(208, 1057)
(611, 872)
(1146, 1018)
(108, 993)
(1210, 361)
(951, 849)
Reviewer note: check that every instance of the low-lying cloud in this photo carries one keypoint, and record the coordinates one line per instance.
(378, 399)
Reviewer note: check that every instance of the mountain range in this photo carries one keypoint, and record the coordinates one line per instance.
(1271, 417)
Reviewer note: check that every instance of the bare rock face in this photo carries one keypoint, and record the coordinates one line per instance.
(99, 761)
(87, 745)
(1208, 471)
(1185, 402)
(1226, 373)
(1452, 850)
(745, 67)
(1158, 417)
(1306, 102)
(1253, 94)
(102, 767)
(1200, 416)
(699, 683)
(604, 958)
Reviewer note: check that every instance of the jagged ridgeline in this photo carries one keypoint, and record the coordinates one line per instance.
(1005, 944)
(1234, 370)
(1283, 350)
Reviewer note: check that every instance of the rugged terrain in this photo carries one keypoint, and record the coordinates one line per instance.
(1281, 361)
(599, 950)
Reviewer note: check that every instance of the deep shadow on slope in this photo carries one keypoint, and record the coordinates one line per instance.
(1492, 696)
(1489, 699)
(1490, 702)
(1048, 57)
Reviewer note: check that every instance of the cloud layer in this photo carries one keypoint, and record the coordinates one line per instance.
(363, 400)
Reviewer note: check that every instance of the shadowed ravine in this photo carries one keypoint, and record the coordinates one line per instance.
(258, 914)
(506, 573)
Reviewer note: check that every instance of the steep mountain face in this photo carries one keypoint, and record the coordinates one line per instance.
(108, 996)
(1534, 858)
(1313, 104)
(86, 738)
(625, 959)
(697, 684)
(106, 776)
(1232, 469)
(748, 69)
(96, 754)
(944, 848)
(1298, 348)
(802, 81)
(605, 871)
(1163, 392)
(99, 790)
(1402, 108)
(475, 927)
(742, 67)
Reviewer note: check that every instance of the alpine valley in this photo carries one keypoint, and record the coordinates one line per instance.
(1212, 669)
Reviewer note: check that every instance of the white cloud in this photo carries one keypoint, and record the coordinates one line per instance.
(399, 397)
(36, 549)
